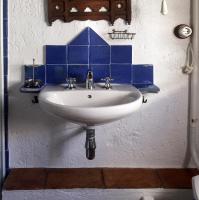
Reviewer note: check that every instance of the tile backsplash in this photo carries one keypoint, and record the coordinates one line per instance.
(142, 75)
(35, 73)
(88, 51)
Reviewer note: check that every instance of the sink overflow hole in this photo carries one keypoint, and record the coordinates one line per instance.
(89, 96)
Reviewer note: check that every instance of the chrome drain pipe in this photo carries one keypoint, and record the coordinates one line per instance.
(90, 144)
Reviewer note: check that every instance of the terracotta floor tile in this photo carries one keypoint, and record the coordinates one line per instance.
(131, 178)
(194, 172)
(25, 179)
(74, 178)
(176, 178)
(32, 179)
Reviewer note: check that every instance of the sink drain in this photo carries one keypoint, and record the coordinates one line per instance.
(89, 96)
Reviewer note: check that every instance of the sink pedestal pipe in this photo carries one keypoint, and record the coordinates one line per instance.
(90, 144)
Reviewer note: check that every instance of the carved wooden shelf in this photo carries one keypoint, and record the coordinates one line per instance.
(69, 10)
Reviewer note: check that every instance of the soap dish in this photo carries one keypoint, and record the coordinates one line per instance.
(31, 90)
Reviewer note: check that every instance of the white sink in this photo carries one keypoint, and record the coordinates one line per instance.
(90, 107)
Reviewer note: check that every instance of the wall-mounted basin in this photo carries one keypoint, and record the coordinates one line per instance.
(90, 107)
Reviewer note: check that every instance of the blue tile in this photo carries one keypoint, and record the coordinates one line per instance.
(5, 28)
(121, 73)
(39, 73)
(78, 54)
(6, 128)
(56, 74)
(148, 89)
(100, 71)
(28, 69)
(7, 159)
(142, 75)
(5, 54)
(5, 60)
(6, 84)
(56, 54)
(6, 102)
(82, 38)
(5, 47)
(99, 55)
(78, 72)
(121, 54)
(95, 39)
(5, 9)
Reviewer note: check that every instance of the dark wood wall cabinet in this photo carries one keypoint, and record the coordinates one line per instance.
(69, 10)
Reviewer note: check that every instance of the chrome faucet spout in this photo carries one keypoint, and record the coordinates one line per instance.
(89, 80)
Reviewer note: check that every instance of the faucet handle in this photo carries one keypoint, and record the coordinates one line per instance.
(71, 80)
(71, 83)
(107, 79)
(107, 82)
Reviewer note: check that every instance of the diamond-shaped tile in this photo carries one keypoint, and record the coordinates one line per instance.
(95, 39)
(82, 38)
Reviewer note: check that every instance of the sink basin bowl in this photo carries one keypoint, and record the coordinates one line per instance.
(90, 107)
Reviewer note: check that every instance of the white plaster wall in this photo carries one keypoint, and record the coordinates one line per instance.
(98, 194)
(154, 136)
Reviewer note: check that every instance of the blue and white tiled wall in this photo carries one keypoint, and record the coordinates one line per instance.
(5, 78)
(88, 51)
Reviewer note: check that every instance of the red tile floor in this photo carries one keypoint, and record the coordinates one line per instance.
(107, 178)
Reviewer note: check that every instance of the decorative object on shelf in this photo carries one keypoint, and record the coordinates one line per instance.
(32, 82)
(121, 35)
(183, 31)
(164, 7)
(69, 10)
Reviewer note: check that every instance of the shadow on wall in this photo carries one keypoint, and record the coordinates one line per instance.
(46, 11)
(36, 130)
(61, 142)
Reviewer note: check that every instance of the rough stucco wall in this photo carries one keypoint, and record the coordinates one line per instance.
(154, 136)
(84, 194)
